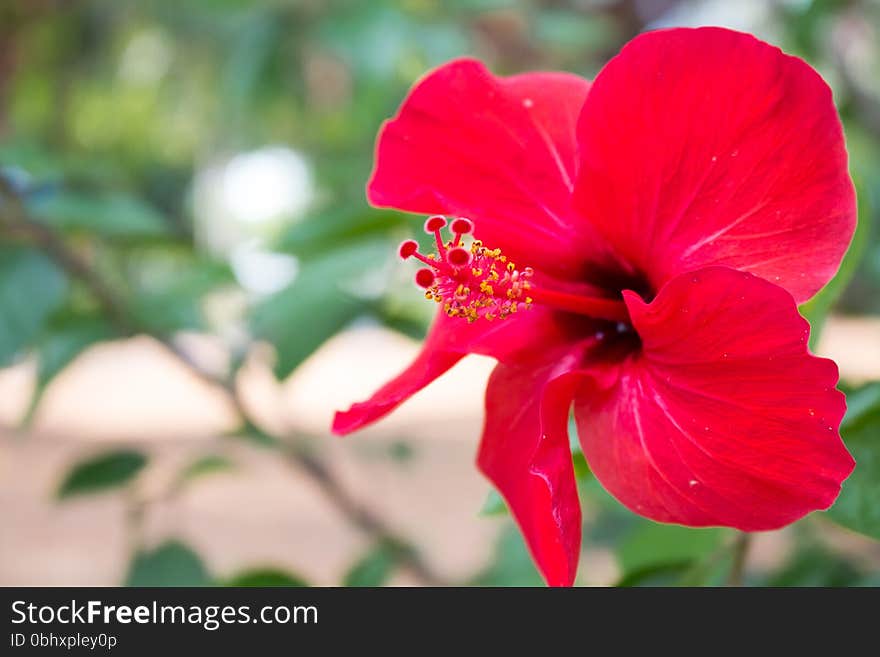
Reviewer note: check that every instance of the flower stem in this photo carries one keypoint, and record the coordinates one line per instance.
(740, 550)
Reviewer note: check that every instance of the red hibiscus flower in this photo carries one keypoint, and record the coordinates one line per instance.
(642, 244)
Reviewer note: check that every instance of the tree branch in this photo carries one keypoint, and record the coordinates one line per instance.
(15, 220)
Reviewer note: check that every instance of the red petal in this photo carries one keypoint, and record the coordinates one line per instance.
(428, 365)
(525, 452)
(449, 339)
(707, 146)
(501, 151)
(724, 418)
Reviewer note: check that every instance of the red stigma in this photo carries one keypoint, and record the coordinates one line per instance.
(462, 226)
(458, 257)
(408, 248)
(435, 223)
(425, 278)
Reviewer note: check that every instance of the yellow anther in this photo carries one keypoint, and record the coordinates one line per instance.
(480, 289)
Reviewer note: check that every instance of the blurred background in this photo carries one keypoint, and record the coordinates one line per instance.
(191, 282)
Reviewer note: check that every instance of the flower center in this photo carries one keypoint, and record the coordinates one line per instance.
(478, 282)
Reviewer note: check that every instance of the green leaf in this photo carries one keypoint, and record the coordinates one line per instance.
(374, 569)
(612, 522)
(665, 574)
(815, 566)
(653, 544)
(101, 473)
(250, 54)
(108, 215)
(257, 436)
(401, 452)
(320, 302)
(511, 564)
(861, 406)
(170, 564)
(66, 338)
(207, 465)
(858, 506)
(31, 288)
(582, 472)
(408, 315)
(328, 230)
(574, 32)
(816, 309)
(265, 577)
(671, 555)
(493, 505)
(171, 292)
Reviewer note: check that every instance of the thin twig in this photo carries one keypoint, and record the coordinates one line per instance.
(740, 551)
(363, 518)
(15, 221)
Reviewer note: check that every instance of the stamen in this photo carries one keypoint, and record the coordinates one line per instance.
(470, 282)
(478, 282)
(434, 225)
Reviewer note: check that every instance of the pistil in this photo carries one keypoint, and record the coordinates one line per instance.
(595, 307)
(479, 282)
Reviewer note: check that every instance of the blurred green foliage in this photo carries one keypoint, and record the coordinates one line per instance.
(170, 564)
(264, 577)
(114, 113)
(374, 569)
(857, 506)
(106, 471)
